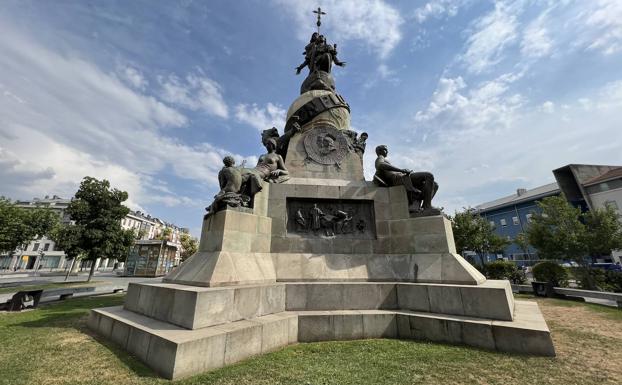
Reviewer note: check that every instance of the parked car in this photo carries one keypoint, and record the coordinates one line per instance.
(569, 264)
(607, 266)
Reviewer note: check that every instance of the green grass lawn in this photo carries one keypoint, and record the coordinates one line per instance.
(52, 345)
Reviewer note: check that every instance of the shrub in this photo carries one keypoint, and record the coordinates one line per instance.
(598, 279)
(548, 271)
(504, 270)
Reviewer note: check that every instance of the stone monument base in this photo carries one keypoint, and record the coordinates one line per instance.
(180, 330)
(363, 269)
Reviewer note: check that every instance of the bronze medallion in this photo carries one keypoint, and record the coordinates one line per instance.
(326, 145)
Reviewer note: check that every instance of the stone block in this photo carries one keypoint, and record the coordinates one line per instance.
(292, 329)
(200, 355)
(92, 321)
(161, 356)
(120, 333)
(436, 329)
(328, 192)
(445, 299)
(369, 296)
(272, 299)
(161, 308)
(296, 296)
(275, 332)
(138, 343)
(456, 269)
(413, 297)
(478, 334)
(132, 296)
(427, 267)
(105, 326)
(431, 243)
(213, 307)
(325, 296)
(243, 341)
(487, 302)
(306, 191)
(246, 302)
(348, 326)
(317, 326)
(379, 324)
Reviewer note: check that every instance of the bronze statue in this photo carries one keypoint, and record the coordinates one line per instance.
(319, 57)
(238, 186)
(420, 186)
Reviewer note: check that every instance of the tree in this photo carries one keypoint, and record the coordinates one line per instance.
(556, 232)
(603, 232)
(67, 238)
(472, 232)
(97, 211)
(18, 225)
(189, 246)
(522, 241)
(165, 235)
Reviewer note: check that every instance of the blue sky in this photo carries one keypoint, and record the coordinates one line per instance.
(488, 95)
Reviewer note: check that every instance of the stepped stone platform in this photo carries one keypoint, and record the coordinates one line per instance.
(233, 323)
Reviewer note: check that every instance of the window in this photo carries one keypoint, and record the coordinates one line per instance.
(503, 222)
(528, 216)
(35, 247)
(515, 221)
(492, 223)
(46, 247)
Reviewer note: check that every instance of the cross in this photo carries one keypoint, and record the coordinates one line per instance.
(319, 18)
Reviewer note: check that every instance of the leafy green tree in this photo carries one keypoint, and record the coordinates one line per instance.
(98, 210)
(472, 232)
(165, 235)
(19, 225)
(189, 246)
(522, 241)
(603, 232)
(556, 232)
(67, 238)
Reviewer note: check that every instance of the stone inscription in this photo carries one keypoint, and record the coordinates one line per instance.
(331, 218)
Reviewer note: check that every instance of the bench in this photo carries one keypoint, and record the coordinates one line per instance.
(21, 299)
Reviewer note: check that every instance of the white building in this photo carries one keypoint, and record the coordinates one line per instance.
(41, 252)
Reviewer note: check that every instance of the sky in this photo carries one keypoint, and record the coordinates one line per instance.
(490, 96)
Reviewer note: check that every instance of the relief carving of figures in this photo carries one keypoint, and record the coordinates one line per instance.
(330, 220)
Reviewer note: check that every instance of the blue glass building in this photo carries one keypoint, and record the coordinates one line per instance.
(510, 215)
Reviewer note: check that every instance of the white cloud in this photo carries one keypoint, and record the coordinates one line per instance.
(548, 107)
(261, 118)
(486, 140)
(134, 77)
(604, 26)
(456, 109)
(195, 92)
(62, 118)
(438, 9)
(490, 35)
(536, 41)
(375, 23)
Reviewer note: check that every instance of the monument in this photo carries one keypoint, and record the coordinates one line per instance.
(301, 248)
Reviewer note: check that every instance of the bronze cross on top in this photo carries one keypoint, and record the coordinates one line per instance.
(319, 18)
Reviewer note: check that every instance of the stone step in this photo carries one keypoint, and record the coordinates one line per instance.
(490, 300)
(527, 334)
(175, 352)
(194, 307)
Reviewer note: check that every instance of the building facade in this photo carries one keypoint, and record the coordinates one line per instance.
(585, 186)
(509, 216)
(41, 253)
